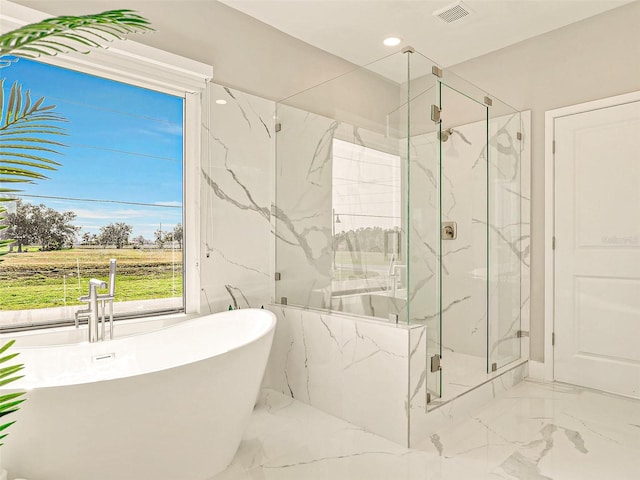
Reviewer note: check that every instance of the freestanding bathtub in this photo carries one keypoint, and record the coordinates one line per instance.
(170, 404)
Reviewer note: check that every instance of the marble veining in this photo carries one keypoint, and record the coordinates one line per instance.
(235, 199)
(322, 156)
(338, 363)
(530, 432)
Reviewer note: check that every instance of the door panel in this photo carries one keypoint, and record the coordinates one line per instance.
(597, 257)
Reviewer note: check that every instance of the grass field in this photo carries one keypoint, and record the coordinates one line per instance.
(52, 279)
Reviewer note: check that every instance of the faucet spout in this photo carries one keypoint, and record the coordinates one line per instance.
(393, 276)
(94, 285)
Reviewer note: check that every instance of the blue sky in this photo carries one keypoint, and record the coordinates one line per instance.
(124, 145)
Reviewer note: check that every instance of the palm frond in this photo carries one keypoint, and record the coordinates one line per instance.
(27, 132)
(9, 402)
(27, 145)
(70, 34)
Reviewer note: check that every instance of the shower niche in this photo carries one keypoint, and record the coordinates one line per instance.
(398, 197)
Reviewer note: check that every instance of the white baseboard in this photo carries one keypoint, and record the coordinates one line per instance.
(540, 371)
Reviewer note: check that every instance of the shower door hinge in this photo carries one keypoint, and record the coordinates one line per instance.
(522, 333)
(278, 276)
(494, 367)
(278, 127)
(428, 397)
(435, 114)
(436, 71)
(435, 363)
(553, 243)
(488, 101)
(283, 300)
(519, 135)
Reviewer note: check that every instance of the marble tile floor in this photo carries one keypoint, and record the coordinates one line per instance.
(462, 373)
(535, 431)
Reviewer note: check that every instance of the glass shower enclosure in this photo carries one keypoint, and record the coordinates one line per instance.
(397, 198)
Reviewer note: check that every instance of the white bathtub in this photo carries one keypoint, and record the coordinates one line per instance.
(168, 404)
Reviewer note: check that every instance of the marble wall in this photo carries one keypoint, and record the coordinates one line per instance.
(371, 373)
(354, 368)
(236, 198)
(367, 372)
(504, 234)
(307, 215)
(303, 207)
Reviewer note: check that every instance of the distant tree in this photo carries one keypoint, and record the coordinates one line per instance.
(160, 238)
(177, 234)
(365, 239)
(139, 241)
(115, 234)
(86, 238)
(20, 226)
(89, 239)
(51, 229)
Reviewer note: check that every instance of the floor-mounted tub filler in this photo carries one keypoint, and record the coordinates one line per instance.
(167, 404)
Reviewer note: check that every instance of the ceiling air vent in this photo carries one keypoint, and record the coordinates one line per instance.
(453, 13)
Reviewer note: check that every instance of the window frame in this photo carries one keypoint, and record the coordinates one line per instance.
(133, 63)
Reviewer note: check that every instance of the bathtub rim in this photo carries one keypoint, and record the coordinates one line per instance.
(268, 330)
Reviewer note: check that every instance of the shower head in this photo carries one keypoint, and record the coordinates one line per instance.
(445, 134)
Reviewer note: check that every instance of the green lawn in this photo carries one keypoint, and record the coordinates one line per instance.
(51, 279)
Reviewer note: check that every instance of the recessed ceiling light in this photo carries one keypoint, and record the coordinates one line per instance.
(392, 41)
(221, 102)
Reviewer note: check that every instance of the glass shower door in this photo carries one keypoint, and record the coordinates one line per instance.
(463, 240)
(507, 244)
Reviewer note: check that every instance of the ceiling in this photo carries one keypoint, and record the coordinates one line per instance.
(354, 29)
(350, 29)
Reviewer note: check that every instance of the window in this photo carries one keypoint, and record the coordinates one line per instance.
(127, 167)
(366, 216)
(117, 194)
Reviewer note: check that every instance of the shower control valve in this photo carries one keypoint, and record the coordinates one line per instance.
(449, 231)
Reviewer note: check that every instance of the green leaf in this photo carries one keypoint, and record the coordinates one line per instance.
(14, 180)
(10, 396)
(27, 164)
(10, 402)
(26, 155)
(6, 371)
(43, 38)
(10, 407)
(6, 359)
(7, 346)
(6, 425)
(7, 412)
(9, 380)
(26, 142)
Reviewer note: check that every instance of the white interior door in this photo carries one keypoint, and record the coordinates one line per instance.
(597, 255)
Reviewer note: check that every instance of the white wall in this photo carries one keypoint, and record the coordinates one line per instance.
(595, 58)
(247, 54)
(236, 196)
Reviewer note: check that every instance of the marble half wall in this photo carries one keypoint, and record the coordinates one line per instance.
(354, 368)
(237, 168)
(367, 372)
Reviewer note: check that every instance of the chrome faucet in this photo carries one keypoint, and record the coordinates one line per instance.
(393, 276)
(94, 317)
